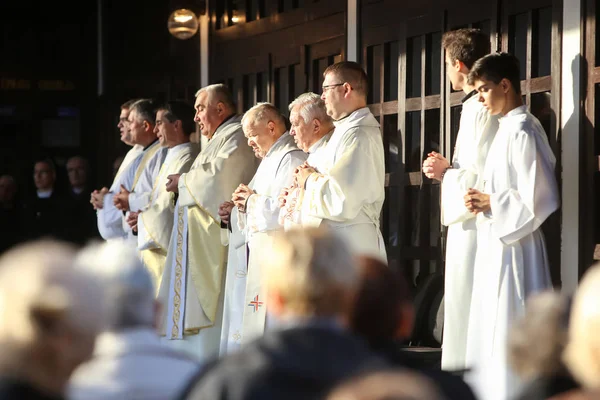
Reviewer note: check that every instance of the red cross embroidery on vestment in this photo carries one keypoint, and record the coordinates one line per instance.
(256, 304)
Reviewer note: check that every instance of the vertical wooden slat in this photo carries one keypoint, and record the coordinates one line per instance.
(424, 198)
(444, 134)
(271, 85)
(556, 72)
(305, 67)
(504, 34)
(495, 27)
(402, 148)
(529, 57)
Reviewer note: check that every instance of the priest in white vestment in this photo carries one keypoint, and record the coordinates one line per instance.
(311, 128)
(130, 200)
(476, 131)
(109, 217)
(258, 205)
(235, 279)
(519, 192)
(154, 223)
(345, 188)
(193, 277)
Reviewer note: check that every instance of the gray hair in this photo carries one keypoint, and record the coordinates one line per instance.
(219, 92)
(314, 270)
(129, 286)
(311, 106)
(263, 112)
(145, 110)
(39, 284)
(537, 339)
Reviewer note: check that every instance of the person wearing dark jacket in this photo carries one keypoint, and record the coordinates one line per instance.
(383, 315)
(43, 215)
(82, 224)
(311, 281)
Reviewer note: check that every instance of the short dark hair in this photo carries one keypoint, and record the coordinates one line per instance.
(377, 307)
(351, 72)
(466, 45)
(48, 161)
(146, 110)
(127, 105)
(180, 111)
(495, 67)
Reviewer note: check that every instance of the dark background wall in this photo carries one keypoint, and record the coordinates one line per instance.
(50, 100)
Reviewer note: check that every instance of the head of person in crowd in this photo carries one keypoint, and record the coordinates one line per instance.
(141, 120)
(263, 125)
(174, 123)
(44, 175)
(582, 354)
(214, 105)
(387, 385)
(309, 120)
(310, 274)
(77, 171)
(496, 78)
(462, 48)
(537, 339)
(383, 310)
(8, 191)
(50, 314)
(130, 292)
(123, 124)
(345, 88)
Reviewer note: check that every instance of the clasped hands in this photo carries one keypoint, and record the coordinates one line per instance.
(434, 165)
(97, 198)
(240, 196)
(476, 201)
(121, 199)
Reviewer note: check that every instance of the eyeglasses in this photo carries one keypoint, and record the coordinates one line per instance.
(327, 87)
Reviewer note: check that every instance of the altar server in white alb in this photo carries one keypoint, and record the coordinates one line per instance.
(192, 282)
(110, 219)
(258, 205)
(477, 128)
(154, 223)
(519, 192)
(142, 119)
(345, 187)
(311, 128)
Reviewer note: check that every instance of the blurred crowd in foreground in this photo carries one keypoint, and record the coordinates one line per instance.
(83, 325)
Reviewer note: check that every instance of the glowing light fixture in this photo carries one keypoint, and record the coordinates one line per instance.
(183, 24)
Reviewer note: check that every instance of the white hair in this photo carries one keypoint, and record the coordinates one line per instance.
(220, 93)
(262, 112)
(314, 270)
(129, 286)
(39, 284)
(311, 106)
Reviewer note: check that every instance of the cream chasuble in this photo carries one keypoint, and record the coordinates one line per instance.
(155, 222)
(276, 171)
(193, 276)
(290, 215)
(347, 192)
(511, 261)
(110, 219)
(475, 135)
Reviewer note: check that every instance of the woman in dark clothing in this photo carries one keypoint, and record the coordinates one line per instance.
(383, 315)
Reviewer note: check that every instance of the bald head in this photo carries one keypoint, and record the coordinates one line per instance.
(263, 125)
